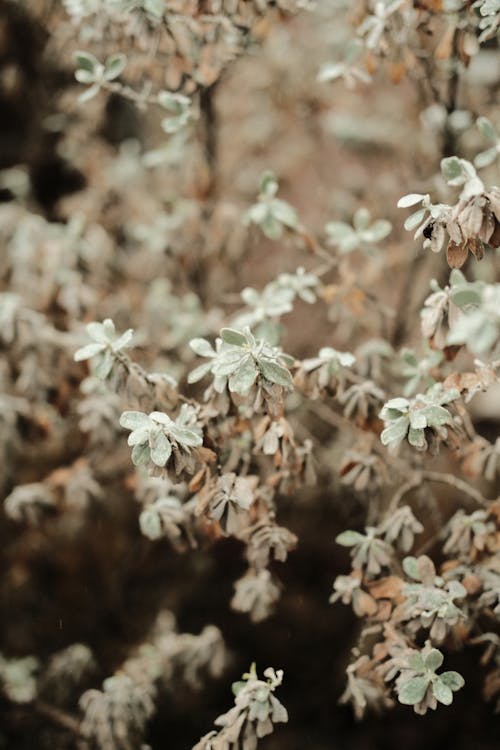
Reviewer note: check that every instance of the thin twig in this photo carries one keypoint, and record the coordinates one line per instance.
(458, 484)
(59, 717)
(436, 476)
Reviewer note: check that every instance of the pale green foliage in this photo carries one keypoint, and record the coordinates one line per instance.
(346, 69)
(442, 307)
(400, 527)
(163, 517)
(29, 502)
(238, 360)
(105, 346)
(95, 74)
(115, 717)
(479, 326)
(374, 26)
(418, 370)
(421, 687)
(409, 419)
(369, 552)
(79, 9)
(430, 602)
(487, 157)
(466, 532)
(421, 218)
(17, 678)
(256, 593)
(255, 712)
(489, 24)
(179, 108)
(276, 299)
(329, 359)
(271, 214)
(154, 436)
(364, 234)
(461, 173)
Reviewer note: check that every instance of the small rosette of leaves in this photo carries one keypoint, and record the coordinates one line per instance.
(420, 686)
(348, 590)
(326, 370)
(155, 436)
(239, 361)
(276, 299)
(180, 111)
(400, 527)
(430, 601)
(471, 225)
(418, 371)
(256, 708)
(369, 553)
(364, 234)
(256, 593)
(467, 535)
(105, 346)
(18, 678)
(411, 419)
(271, 214)
(95, 74)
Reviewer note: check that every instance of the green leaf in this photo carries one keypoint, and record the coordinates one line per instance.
(271, 228)
(410, 200)
(465, 296)
(434, 659)
(229, 361)
(233, 337)
(487, 129)
(89, 93)
(396, 431)
(199, 372)
(150, 524)
(452, 170)
(114, 66)
(140, 454)
(275, 373)
(453, 680)
(416, 662)
(410, 567)
(380, 229)
(268, 184)
(442, 692)
(105, 364)
(400, 404)
(202, 347)
(418, 419)
(485, 158)
(349, 538)
(86, 61)
(415, 219)
(284, 213)
(86, 352)
(132, 420)
(243, 378)
(123, 342)
(160, 448)
(437, 415)
(416, 437)
(413, 691)
(361, 219)
(98, 333)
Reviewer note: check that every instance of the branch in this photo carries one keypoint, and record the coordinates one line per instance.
(436, 476)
